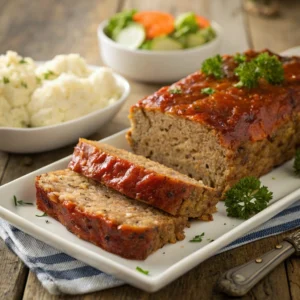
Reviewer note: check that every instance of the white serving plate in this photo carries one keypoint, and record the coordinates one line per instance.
(39, 139)
(166, 264)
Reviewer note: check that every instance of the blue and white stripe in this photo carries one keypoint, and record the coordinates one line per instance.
(60, 273)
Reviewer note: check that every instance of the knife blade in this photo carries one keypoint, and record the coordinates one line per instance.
(240, 280)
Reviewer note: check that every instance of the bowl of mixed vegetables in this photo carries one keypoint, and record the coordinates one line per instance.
(156, 46)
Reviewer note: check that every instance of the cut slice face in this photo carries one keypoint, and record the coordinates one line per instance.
(131, 36)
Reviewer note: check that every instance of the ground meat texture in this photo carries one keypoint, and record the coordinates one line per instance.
(104, 217)
(220, 138)
(142, 179)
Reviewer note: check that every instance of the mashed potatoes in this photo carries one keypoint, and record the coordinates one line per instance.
(17, 83)
(60, 64)
(58, 91)
(69, 97)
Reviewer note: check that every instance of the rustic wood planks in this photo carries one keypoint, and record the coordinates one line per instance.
(42, 29)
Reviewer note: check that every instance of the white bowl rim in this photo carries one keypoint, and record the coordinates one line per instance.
(125, 93)
(217, 27)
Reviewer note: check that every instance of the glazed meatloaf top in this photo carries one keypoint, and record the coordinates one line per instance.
(235, 114)
(142, 179)
(104, 217)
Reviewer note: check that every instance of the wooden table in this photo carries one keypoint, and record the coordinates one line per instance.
(42, 29)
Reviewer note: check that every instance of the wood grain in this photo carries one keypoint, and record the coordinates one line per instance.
(42, 29)
(278, 33)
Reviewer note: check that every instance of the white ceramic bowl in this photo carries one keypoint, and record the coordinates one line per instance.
(156, 66)
(31, 140)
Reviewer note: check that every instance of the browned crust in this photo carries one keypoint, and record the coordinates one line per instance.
(248, 159)
(126, 241)
(170, 194)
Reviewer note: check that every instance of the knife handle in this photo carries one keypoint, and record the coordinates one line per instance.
(239, 280)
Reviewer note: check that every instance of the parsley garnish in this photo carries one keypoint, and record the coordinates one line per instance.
(213, 66)
(208, 91)
(20, 202)
(197, 238)
(48, 74)
(263, 66)
(38, 80)
(248, 74)
(23, 61)
(246, 198)
(297, 162)
(239, 58)
(142, 271)
(175, 90)
(270, 68)
(24, 84)
(43, 215)
(5, 80)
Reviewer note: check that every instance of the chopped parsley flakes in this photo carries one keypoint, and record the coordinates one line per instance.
(20, 202)
(296, 165)
(43, 215)
(24, 84)
(197, 238)
(5, 80)
(23, 61)
(176, 90)
(142, 271)
(208, 91)
(48, 74)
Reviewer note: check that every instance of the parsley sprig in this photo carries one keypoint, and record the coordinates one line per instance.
(248, 74)
(263, 66)
(246, 198)
(142, 271)
(20, 202)
(197, 238)
(297, 162)
(213, 66)
(239, 58)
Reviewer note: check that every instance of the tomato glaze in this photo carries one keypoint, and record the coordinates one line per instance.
(236, 114)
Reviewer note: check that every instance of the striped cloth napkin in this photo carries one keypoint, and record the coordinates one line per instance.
(62, 274)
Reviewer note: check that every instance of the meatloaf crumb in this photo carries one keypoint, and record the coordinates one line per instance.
(223, 137)
(142, 179)
(104, 217)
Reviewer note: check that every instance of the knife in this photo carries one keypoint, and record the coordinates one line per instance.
(240, 280)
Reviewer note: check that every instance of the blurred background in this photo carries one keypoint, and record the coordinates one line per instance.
(45, 28)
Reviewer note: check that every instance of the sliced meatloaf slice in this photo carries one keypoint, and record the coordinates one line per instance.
(142, 179)
(225, 136)
(104, 217)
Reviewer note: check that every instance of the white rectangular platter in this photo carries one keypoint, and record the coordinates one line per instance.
(166, 264)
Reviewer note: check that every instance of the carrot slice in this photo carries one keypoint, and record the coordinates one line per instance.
(202, 22)
(156, 23)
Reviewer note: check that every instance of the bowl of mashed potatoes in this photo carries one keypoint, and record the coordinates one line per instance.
(44, 106)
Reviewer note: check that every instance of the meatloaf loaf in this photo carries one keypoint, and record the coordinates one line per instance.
(142, 179)
(104, 217)
(220, 138)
